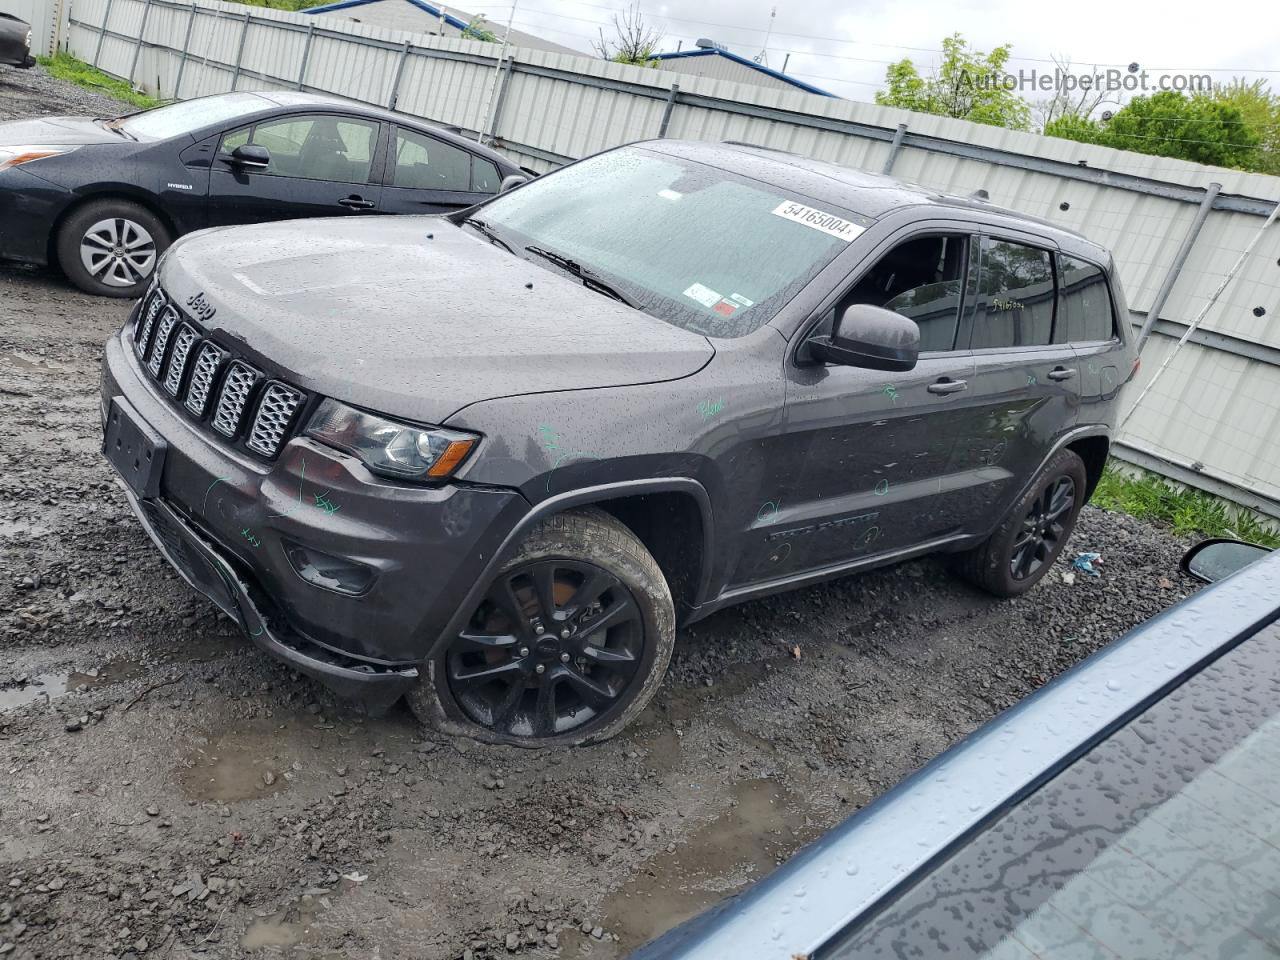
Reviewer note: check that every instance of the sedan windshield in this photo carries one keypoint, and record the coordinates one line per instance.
(189, 116)
(698, 246)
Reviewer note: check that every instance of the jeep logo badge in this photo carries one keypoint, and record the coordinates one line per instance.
(200, 307)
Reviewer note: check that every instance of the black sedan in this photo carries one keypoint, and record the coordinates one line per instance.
(104, 198)
(15, 41)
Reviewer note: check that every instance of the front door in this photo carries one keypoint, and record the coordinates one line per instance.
(865, 453)
(320, 167)
(426, 175)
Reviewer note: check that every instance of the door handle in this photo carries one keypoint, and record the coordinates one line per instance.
(948, 386)
(1061, 373)
(356, 203)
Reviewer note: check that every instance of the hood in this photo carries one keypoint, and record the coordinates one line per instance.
(56, 131)
(415, 317)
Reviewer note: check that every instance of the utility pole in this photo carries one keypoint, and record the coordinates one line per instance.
(491, 106)
(763, 58)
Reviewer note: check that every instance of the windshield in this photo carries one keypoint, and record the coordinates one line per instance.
(700, 247)
(188, 116)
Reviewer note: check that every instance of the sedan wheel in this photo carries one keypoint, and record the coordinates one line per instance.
(118, 252)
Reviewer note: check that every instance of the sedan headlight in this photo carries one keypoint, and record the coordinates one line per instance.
(12, 156)
(388, 447)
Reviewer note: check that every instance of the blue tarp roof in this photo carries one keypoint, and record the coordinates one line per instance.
(729, 55)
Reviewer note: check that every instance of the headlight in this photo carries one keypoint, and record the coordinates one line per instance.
(12, 156)
(388, 447)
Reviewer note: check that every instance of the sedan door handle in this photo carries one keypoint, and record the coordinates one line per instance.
(948, 386)
(1061, 373)
(356, 203)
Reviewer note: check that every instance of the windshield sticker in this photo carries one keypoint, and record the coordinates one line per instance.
(741, 301)
(725, 308)
(704, 295)
(669, 195)
(828, 223)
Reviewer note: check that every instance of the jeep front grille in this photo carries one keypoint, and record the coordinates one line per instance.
(220, 389)
(275, 414)
(182, 345)
(239, 383)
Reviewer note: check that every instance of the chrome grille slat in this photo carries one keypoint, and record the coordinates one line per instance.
(274, 416)
(182, 345)
(146, 322)
(233, 398)
(168, 320)
(205, 370)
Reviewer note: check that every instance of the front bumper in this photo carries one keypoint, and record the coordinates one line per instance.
(29, 206)
(244, 518)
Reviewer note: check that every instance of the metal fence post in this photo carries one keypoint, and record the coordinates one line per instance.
(502, 96)
(894, 147)
(244, 35)
(142, 35)
(106, 18)
(186, 47)
(667, 110)
(395, 86)
(1179, 260)
(306, 54)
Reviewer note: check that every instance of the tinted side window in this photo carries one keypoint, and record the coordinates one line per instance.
(921, 279)
(1015, 296)
(1084, 303)
(484, 176)
(312, 148)
(424, 163)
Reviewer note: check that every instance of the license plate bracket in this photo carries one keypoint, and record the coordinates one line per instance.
(135, 449)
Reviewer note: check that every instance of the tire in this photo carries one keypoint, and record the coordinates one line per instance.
(513, 675)
(1034, 531)
(111, 247)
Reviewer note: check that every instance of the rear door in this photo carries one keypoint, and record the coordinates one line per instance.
(1026, 384)
(321, 166)
(427, 175)
(1087, 321)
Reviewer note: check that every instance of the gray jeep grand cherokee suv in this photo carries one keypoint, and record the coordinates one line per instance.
(490, 460)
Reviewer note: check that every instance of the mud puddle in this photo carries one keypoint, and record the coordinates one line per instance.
(17, 361)
(766, 824)
(54, 685)
(251, 762)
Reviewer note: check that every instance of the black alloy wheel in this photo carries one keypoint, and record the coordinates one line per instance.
(1044, 528)
(555, 645)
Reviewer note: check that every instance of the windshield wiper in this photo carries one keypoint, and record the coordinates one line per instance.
(590, 279)
(488, 232)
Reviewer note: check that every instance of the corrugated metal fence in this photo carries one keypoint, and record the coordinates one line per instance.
(1214, 419)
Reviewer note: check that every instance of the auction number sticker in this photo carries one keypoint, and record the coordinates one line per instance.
(828, 223)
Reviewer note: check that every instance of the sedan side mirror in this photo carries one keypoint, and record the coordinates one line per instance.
(1212, 560)
(871, 337)
(251, 156)
(511, 181)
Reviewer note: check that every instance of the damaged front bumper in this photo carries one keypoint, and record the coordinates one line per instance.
(200, 564)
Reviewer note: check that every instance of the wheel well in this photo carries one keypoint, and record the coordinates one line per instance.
(106, 195)
(670, 526)
(1093, 451)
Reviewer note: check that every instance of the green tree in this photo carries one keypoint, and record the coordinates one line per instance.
(1260, 109)
(1169, 124)
(634, 41)
(478, 29)
(967, 85)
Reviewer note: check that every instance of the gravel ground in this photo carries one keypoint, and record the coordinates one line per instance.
(170, 792)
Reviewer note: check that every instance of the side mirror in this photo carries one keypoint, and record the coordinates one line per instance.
(251, 156)
(1212, 560)
(871, 337)
(511, 181)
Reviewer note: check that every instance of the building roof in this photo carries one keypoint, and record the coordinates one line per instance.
(518, 38)
(730, 55)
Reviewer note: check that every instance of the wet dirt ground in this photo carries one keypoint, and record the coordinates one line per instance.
(168, 791)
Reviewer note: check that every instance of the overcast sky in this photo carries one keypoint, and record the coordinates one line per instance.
(844, 48)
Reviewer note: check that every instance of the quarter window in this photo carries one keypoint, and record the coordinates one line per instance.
(424, 163)
(1085, 303)
(921, 279)
(312, 148)
(484, 176)
(1015, 297)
